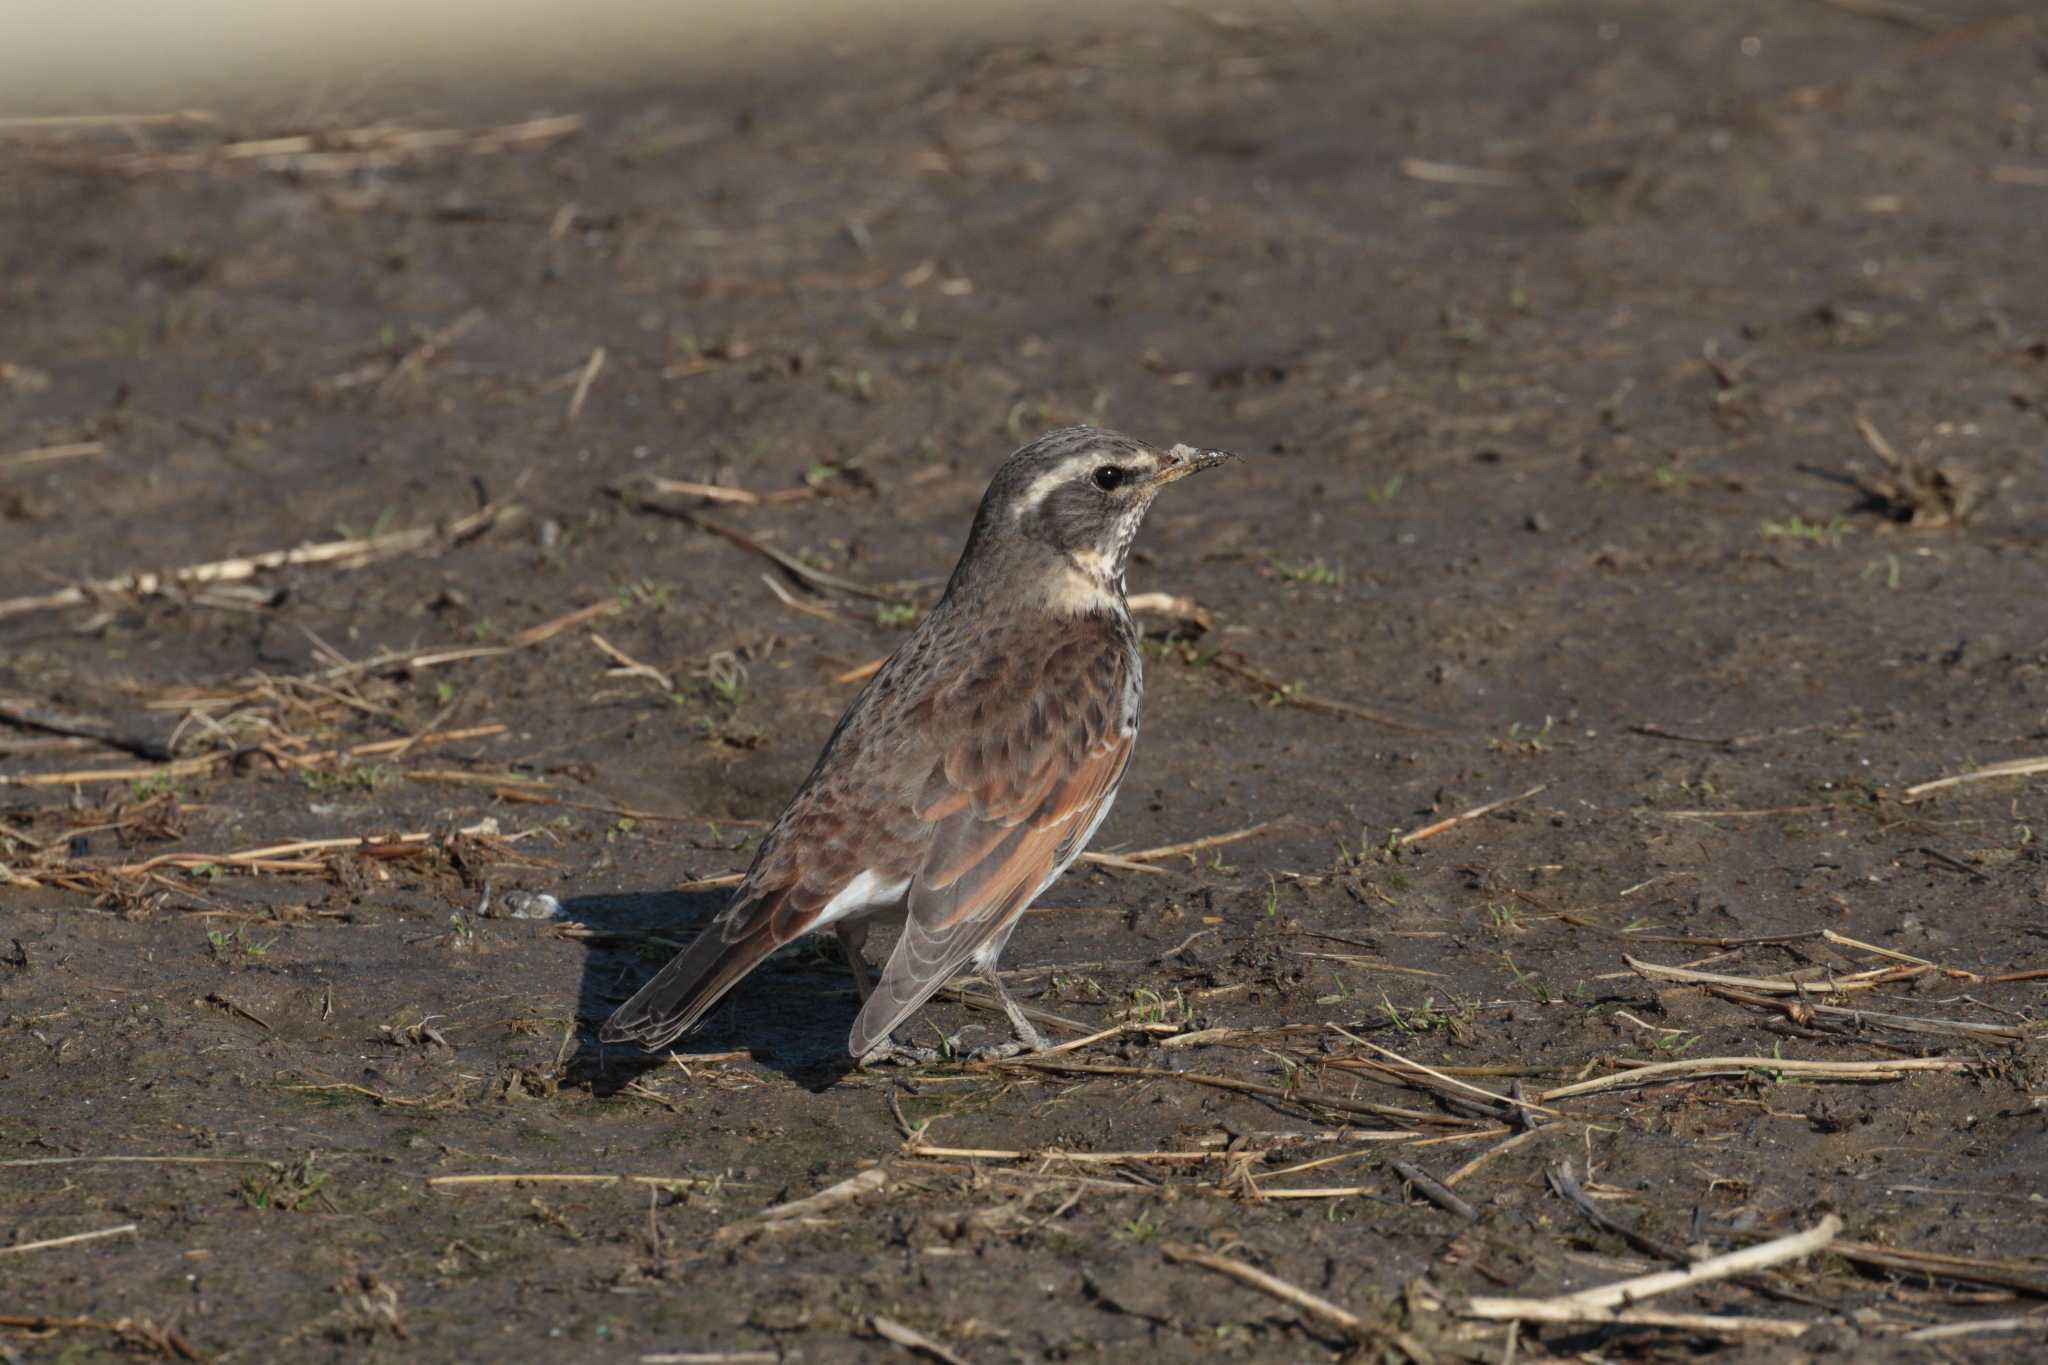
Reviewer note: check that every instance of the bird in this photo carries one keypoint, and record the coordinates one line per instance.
(972, 769)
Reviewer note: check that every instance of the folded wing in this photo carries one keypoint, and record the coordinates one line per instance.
(1016, 797)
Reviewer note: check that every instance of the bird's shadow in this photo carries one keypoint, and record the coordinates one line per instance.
(788, 1014)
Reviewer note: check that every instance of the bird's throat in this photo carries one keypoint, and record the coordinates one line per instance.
(1086, 583)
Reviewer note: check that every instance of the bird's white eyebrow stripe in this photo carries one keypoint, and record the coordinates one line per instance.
(1035, 493)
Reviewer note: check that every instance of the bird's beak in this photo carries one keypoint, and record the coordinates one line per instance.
(1184, 460)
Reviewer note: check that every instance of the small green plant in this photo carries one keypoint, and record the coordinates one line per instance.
(1796, 527)
(1382, 494)
(855, 384)
(1506, 918)
(1528, 739)
(364, 778)
(1150, 1007)
(347, 531)
(285, 1188)
(1139, 1230)
(646, 592)
(1675, 1043)
(727, 677)
(148, 788)
(1424, 1018)
(1272, 896)
(1529, 981)
(896, 614)
(235, 945)
(1313, 571)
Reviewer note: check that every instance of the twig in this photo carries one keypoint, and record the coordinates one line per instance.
(1233, 663)
(1760, 814)
(72, 1240)
(1114, 1031)
(1762, 1256)
(630, 667)
(1317, 1307)
(1444, 173)
(70, 450)
(659, 1182)
(1844, 941)
(348, 150)
(2021, 1277)
(341, 554)
(1801, 1011)
(46, 122)
(184, 767)
(241, 1010)
(910, 1339)
(1430, 1188)
(871, 1181)
(1734, 1066)
(795, 603)
(1780, 985)
(789, 564)
(591, 369)
(718, 492)
(1538, 1310)
(1562, 1179)
(1416, 835)
(1499, 1149)
(1121, 863)
(1982, 1326)
(1153, 855)
(2011, 767)
(918, 1147)
(138, 1161)
(1451, 1081)
(1313, 1099)
(1892, 12)
(419, 357)
(371, 845)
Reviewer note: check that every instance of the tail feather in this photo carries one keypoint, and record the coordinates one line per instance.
(682, 992)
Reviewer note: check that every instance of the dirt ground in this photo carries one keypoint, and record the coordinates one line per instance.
(1643, 411)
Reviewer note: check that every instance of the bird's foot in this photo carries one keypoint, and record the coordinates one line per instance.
(889, 1052)
(996, 1052)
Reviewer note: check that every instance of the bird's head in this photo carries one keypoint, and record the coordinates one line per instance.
(1073, 500)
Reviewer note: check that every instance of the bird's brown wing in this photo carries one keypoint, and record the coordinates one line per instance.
(1036, 757)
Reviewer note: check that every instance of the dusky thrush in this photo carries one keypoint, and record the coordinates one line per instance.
(974, 766)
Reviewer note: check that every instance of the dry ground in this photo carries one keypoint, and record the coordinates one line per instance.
(1645, 419)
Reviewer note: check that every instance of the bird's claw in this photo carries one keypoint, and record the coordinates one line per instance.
(889, 1052)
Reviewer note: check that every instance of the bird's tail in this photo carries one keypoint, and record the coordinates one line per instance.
(682, 992)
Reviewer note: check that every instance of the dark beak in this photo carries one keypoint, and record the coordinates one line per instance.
(1184, 460)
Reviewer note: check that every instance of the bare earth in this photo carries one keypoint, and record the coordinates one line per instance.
(1644, 410)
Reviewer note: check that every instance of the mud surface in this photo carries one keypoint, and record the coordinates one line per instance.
(1546, 331)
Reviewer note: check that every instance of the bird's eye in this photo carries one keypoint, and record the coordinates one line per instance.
(1109, 478)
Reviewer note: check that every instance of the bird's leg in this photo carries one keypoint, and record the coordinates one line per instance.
(853, 934)
(1029, 1039)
